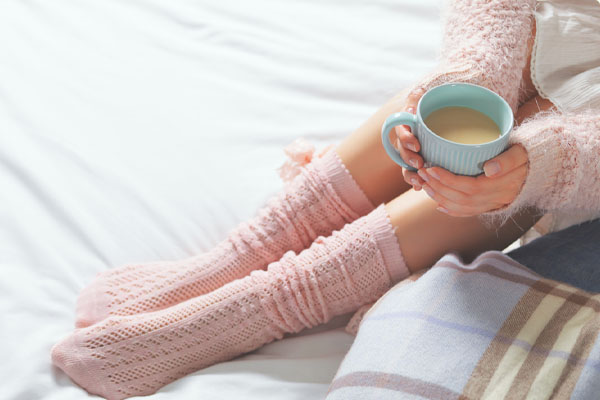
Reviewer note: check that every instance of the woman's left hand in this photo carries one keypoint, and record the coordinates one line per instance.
(465, 196)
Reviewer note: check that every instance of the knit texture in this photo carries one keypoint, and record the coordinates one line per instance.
(564, 169)
(322, 198)
(126, 356)
(485, 43)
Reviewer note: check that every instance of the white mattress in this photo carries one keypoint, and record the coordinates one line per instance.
(145, 130)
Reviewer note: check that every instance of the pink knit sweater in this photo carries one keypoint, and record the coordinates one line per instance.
(485, 43)
(564, 163)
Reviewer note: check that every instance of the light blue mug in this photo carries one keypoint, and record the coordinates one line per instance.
(459, 158)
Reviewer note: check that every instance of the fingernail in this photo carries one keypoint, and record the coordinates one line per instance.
(411, 147)
(410, 110)
(433, 173)
(491, 168)
(423, 175)
(414, 163)
(398, 144)
(442, 209)
(414, 182)
(429, 192)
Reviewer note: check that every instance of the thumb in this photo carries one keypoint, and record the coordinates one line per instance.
(512, 158)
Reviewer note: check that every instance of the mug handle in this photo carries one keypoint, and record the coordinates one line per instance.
(400, 118)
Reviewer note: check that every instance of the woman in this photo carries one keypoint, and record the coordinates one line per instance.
(342, 231)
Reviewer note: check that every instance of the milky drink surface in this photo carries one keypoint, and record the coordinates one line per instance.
(462, 125)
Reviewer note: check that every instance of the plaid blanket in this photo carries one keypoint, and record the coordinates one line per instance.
(489, 330)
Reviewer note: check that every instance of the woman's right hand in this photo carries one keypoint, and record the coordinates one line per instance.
(407, 144)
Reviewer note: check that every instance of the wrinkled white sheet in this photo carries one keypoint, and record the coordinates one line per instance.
(144, 129)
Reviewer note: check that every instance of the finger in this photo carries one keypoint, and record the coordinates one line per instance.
(461, 211)
(492, 193)
(412, 100)
(479, 192)
(458, 210)
(482, 191)
(407, 139)
(512, 158)
(466, 184)
(413, 159)
(412, 179)
(447, 206)
(508, 186)
(456, 196)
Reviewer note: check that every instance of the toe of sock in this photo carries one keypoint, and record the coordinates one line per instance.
(66, 356)
(59, 356)
(80, 366)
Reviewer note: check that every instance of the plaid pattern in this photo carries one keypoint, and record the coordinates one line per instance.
(489, 330)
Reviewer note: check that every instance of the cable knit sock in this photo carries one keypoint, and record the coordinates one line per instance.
(136, 355)
(322, 198)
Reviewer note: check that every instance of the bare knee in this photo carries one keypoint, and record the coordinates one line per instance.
(533, 106)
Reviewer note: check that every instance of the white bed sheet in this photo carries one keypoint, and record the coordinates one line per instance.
(144, 130)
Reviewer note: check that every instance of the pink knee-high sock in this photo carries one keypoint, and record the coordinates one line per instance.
(322, 198)
(126, 356)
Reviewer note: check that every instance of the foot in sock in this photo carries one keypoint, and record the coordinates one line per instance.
(323, 198)
(126, 356)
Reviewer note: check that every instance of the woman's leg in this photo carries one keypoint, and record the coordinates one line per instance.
(330, 192)
(425, 234)
(363, 154)
(124, 356)
(361, 176)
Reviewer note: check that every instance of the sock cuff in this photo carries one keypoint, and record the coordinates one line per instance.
(387, 242)
(344, 184)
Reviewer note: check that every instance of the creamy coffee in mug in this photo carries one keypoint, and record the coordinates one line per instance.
(462, 125)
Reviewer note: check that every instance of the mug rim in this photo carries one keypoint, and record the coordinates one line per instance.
(502, 135)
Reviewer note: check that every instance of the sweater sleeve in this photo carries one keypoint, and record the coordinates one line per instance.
(564, 163)
(485, 42)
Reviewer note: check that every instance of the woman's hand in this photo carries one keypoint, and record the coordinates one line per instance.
(465, 196)
(406, 143)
